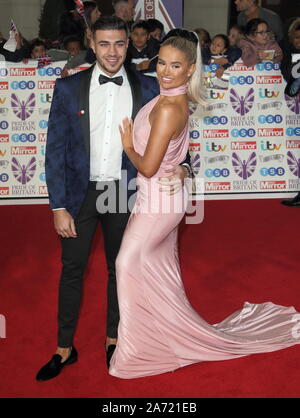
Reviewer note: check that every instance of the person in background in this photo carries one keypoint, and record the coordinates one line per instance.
(142, 49)
(73, 45)
(219, 52)
(38, 49)
(70, 23)
(290, 68)
(250, 9)
(156, 29)
(204, 37)
(21, 51)
(235, 34)
(257, 46)
(124, 9)
(92, 14)
(290, 50)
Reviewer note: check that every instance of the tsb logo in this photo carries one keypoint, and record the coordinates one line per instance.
(4, 177)
(217, 172)
(216, 120)
(3, 72)
(270, 119)
(43, 124)
(273, 171)
(22, 85)
(49, 71)
(42, 177)
(241, 80)
(23, 138)
(267, 66)
(194, 134)
(243, 133)
(3, 124)
(293, 131)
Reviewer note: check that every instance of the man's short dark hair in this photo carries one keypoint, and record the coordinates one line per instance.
(110, 23)
(72, 38)
(143, 24)
(36, 42)
(155, 24)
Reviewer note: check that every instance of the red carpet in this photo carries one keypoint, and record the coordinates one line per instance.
(243, 251)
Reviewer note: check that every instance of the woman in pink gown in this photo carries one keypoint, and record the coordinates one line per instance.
(159, 331)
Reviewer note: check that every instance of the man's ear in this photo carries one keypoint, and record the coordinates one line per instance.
(92, 43)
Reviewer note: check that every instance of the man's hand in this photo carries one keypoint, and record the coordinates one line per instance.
(64, 224)
(174, 182)
(65, 72)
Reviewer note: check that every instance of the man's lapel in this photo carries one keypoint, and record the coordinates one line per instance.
(136, 92)
(84, 101)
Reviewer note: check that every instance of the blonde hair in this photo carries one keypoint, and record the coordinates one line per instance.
(193, 54)
(293, 28)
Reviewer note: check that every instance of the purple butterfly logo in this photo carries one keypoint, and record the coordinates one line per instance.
(192, 108)
(23, 173)
(244, 169)
(293, 103)
(23, 109)
(196, 164)
(294, 164)
(241, 104)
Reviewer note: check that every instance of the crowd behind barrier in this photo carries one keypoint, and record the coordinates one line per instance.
(245, 141)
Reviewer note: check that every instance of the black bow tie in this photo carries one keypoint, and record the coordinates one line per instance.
(117, 80)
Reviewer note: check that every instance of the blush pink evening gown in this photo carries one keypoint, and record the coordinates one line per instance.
(159, 331)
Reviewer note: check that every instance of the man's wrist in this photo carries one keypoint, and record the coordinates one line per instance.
(188, 170)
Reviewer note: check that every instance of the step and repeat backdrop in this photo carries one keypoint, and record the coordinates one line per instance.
(244, 142)
(25, 100)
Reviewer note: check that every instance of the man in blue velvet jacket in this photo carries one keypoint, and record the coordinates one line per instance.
(84, 155)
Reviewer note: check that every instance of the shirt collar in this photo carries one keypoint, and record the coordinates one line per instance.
(97, 71)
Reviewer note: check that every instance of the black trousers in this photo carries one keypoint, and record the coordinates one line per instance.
(75, 253)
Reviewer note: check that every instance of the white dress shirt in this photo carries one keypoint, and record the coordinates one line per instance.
(109, 105)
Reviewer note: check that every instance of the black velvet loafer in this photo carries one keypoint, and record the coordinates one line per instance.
(109, 353)
(292, 202)
(55, 366)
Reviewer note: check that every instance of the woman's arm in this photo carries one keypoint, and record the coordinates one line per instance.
(164, 125)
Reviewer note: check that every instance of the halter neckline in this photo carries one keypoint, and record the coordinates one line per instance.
(176, 91)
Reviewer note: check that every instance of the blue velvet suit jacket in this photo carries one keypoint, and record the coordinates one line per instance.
(68, 139)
